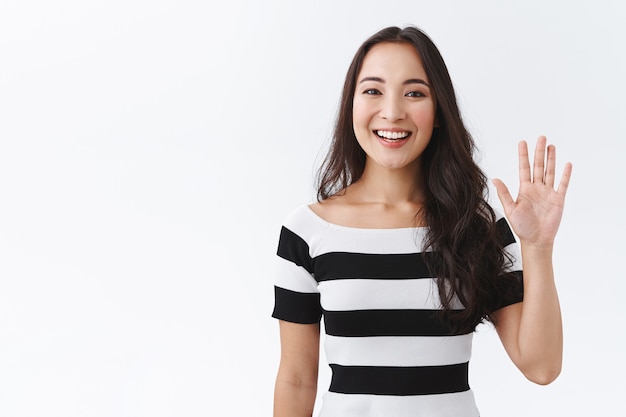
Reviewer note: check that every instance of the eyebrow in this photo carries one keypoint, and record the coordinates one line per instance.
(407, 82)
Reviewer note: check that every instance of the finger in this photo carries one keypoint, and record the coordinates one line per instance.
(524, 163)
(550, 166)
(564, 184)
(540, 154)
(504, 195)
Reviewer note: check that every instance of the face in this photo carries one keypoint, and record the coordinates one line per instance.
(393, 107)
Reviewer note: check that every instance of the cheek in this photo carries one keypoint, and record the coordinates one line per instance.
(360, 116)
(424, 116)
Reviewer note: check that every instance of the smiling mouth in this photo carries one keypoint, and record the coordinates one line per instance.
(392, 136)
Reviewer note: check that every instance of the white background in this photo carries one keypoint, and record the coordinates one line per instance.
(149, 151)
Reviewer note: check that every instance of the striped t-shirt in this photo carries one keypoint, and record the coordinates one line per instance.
(389, 353)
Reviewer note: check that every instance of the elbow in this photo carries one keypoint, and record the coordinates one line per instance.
(543, 376)
(541, 369)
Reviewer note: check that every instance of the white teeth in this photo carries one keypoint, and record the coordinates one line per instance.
(392, 135)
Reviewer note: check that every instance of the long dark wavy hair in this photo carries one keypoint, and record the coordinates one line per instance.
(468, 256)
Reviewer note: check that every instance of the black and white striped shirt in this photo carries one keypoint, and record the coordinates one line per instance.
(389, 353)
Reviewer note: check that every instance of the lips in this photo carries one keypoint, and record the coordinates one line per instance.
(392, 135)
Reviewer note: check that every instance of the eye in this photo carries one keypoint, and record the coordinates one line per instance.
(415, 94)
(372, 92)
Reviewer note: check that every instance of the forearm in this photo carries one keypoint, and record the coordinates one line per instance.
(540, 334)
(296, 382)
(293, 399)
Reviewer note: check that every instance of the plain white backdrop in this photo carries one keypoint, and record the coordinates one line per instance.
(149, 151)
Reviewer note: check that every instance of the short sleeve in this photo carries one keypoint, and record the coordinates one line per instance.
(296, 295)
(510, 284)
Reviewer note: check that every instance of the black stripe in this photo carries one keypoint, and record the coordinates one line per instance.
(510, 290)
(293, 248)
(344, 265)
(419, 380)
(296, 307)
(362, 323)
(505, 235)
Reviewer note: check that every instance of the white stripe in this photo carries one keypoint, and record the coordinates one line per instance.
(293, 277)
(458, 404)
(303, 224)
(378, 294)
(398, 351)
(323, 237)
(374, 241)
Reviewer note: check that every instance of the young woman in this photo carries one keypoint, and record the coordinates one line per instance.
(403, 256)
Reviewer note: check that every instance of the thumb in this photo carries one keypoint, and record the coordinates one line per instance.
(503, 193)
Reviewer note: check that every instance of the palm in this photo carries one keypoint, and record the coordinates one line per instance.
(536, 213)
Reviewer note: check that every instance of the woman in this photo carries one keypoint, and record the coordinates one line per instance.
(403, 256)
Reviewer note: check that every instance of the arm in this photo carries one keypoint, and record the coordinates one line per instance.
(531, 332)
(296, 382)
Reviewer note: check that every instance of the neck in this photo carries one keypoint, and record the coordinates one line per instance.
(391, 186)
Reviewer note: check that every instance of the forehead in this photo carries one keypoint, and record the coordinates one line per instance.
(392, 60)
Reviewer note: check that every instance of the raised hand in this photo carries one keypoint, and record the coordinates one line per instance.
(536, 213)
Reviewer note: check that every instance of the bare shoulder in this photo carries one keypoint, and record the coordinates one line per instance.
(336, 210)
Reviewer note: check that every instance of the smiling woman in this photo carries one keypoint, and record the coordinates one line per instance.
(403, 257)
(393, 107)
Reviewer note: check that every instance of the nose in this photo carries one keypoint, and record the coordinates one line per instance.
(392, 109)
